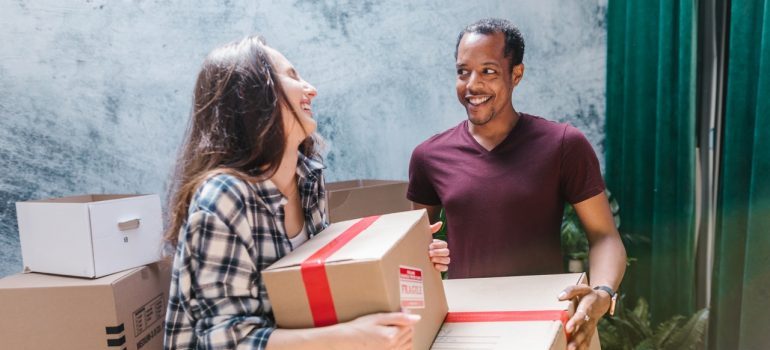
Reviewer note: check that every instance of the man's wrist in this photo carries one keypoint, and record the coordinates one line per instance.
(606, 289)
(607, 292)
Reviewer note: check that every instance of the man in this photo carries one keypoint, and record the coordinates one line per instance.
(503, 177)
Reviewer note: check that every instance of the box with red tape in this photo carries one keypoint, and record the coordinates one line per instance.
(497, 313)
(358, 267)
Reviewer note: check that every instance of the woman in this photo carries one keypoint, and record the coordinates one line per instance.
(249, 189)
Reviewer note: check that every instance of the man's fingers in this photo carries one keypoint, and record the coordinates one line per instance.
(441, 267)
(575, 291)
(444, 260)
(436, 227)
(438, 244)
(578, 319)
(438, 252)
(581, 338)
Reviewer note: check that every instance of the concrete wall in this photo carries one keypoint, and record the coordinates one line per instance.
(95, 95)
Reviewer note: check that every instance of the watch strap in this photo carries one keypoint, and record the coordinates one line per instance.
(606, 289)
(613, 297)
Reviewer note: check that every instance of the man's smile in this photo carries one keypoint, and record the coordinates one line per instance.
(477, 100)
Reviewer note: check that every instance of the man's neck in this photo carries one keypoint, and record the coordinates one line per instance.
(492, 133)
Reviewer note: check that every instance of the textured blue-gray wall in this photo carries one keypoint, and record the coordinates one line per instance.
(95, 95)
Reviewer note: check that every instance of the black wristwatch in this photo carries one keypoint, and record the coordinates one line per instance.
(613, 297)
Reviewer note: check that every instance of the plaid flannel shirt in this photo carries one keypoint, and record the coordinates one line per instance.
(233, 231)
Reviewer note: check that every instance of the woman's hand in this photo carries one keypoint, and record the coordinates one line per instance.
(392, 330)
(438, 251)
(382, 331)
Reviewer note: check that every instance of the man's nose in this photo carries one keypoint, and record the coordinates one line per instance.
(473, 81)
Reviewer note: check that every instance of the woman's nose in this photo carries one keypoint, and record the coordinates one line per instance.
(310, 90)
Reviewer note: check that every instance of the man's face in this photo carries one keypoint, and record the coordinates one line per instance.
(484, 78)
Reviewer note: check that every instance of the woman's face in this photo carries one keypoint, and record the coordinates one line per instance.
(299, 94)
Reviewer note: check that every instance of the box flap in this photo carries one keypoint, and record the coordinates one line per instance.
(42, 280)
(87, 198)
(372, 243)
(518, 293)
(351, 184)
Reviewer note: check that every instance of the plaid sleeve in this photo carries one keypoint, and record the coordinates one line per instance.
(219, 278)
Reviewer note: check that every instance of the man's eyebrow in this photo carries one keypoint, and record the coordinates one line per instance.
(490, 63)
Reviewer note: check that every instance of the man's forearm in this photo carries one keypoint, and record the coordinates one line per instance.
(607, 259)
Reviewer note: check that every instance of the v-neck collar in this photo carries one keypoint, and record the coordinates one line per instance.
(508, 138)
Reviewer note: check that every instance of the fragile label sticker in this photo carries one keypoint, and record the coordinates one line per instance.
(411, 286)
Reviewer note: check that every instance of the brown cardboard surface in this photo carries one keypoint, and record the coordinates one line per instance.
(365, 275)
(360, 198)
(520, 293)
(42, 311)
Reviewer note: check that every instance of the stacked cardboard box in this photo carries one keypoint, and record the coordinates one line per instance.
(91, 235)
(124, 310)
(93, 278)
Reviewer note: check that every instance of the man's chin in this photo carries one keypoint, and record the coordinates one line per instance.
(479, 120)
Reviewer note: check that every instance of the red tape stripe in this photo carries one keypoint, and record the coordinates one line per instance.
(510, 316)
(313, 270)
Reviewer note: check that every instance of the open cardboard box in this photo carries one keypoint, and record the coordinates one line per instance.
(361, 198)
(90, 235)
(499, 313)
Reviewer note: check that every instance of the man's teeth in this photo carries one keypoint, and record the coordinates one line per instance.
(305, 106)
(478, 100)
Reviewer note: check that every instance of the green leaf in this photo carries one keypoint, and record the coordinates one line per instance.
(665, 329)
(642, 313)
(646, 344)
(692, 334)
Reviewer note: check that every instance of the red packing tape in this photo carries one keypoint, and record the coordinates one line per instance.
(313, 270)
(510, 316)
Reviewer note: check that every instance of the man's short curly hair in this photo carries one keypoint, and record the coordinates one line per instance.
(514, 42)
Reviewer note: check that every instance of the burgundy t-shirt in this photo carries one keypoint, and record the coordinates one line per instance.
(504, 207)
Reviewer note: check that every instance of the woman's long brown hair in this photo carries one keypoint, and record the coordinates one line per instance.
(235, 125)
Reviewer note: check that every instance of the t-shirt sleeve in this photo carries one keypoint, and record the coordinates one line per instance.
(421, 188)
(580, 177)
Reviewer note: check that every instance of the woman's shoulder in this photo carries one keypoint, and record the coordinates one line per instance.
(220, 189)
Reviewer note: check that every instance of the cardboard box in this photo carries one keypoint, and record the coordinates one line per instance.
(361, 198)
(359, 267)
(120, 311)
(90, 235)
(508, 313)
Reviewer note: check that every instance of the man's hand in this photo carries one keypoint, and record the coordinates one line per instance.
(593, 304)
(438, 251)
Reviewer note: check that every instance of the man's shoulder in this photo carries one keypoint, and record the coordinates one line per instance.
(541, 125)
(442, 139)
(558, 134)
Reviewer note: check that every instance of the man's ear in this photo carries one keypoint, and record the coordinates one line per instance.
(517, 73)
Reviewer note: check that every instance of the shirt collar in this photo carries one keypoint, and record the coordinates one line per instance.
(308, 168)
(308, 171)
